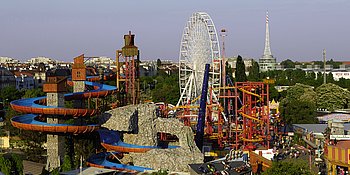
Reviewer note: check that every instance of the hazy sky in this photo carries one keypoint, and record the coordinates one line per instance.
(63, 29)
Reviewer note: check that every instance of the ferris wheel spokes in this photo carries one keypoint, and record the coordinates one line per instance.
(199, 46)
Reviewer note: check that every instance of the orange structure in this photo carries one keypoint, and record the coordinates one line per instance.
(252, 117)
(124, 149)
(55, 84)
(257, 160)
(79, 69)
(338, 157)
(241, 119)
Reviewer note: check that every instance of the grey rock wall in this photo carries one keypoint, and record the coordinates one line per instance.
(148, 125)
(121, 119)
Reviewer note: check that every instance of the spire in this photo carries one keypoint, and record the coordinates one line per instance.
(267, 50)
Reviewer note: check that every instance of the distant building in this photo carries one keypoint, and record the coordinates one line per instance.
(6, 78)
(267, 61)
(24, 80)
(342, 72)
(44, 60)
(148, 68)
(281, 88)
(8, 60)
(101, 61)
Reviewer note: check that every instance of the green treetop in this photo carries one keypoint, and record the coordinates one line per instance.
(240, 75)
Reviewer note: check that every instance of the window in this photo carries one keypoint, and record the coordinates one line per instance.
(78, 74)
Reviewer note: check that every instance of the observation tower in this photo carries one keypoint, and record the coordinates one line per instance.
(267, 61)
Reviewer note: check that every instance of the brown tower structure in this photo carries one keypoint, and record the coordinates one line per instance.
(79, 74)
(55, 87)
(127, 61)
(78, 79)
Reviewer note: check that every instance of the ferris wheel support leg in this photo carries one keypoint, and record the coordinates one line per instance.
(203, 105)
(184, 92)
(188, 100)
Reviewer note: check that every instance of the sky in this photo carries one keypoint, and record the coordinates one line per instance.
(64, 29)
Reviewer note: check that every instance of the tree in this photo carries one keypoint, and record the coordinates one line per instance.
(329, 78)
(254, 74)
(295, 111)
(159, 63)
(332, 97)
(240, 75)
(166, 89)
(84, 146)
(11, 164)
(17, 163)
(299, 106)
(273, 93)
(295, 167)
(67, 164)
(10, 93)
(5, 165)
(319, 79)
(38, 92)
(33, 145)
(288, 63)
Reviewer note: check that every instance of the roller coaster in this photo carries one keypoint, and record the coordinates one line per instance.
(239, 120)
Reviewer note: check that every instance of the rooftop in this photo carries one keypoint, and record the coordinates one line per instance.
(317, 128)
(90, 171)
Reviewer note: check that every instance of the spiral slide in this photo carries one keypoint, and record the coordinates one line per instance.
(101, 160)
(111, 141)
(36, 107)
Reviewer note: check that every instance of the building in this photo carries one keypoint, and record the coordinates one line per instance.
(267, 61)
(337, 157)
(44, 60)
(101, 61)
(8, 60)
(6, 78)
(331, 139)
(24, 80)
(148, 68)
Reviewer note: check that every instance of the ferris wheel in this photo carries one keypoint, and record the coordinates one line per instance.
(199, 46)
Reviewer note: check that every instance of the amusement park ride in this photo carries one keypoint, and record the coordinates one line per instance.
(228, 114)
(237, 113)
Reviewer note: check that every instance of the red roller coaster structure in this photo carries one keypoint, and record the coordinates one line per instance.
(240, 119)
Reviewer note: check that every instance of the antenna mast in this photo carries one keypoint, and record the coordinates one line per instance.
(324, 67)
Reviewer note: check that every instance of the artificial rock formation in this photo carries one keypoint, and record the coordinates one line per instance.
(171, 159)
(121, 119)
(146, 135)
(148, 125)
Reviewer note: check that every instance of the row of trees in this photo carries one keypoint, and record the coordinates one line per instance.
(300, 101)
(162, 87)
(288, 77)
(290, 64)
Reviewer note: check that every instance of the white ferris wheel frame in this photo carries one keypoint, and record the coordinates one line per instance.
(195, 46)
